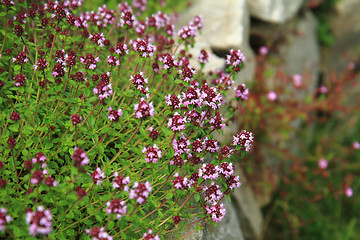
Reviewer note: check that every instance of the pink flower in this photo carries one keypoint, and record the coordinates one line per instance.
(209, 171)
(98, 234)
(226, 169)
(323, 89)
(242, 92)
(236, 59)
(149, 236)
(143, 47)
(263, 50)
(138, 80)
(197, 146)
(181, 145)
(40, 158)
(144, 109)
(272, 96)
(98, 39)
(217, 212)
(204, 56)
(19, 80)
(116, 206)
(114, 115)
(180, 182)
(4, 219)
(152, 154)
(177, 122)
(356, 145)
(233, 181)
(168, 61)
(79, 157)
(75, 119)
(348, 191)
(323, 163)
(37, 176)
(210, 97)
(211, 145)
(140, 192)
(97, 175)
(243, 139)
(39, 221)
(297, 80)
(120, 182)
(173, 100)
(212, 193)
(14, 116)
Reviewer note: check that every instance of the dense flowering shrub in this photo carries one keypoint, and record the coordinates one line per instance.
(106, 128)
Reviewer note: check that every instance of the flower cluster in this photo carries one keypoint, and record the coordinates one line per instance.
(116, 206)
(4, 219)
(140, 192)
(110, 120)
(40, 221)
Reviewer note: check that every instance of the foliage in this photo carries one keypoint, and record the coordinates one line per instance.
(106, 128)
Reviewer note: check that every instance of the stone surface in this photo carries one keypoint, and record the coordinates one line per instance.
(248, 211)
(228, 228)
(275, 11)
(294, 50)
(226, 22)
(301, 52)
(345, 27)
(193, 235)
(214, 63)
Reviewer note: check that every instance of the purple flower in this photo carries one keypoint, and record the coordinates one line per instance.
(79, 157)
(140, 192)
(149, 236)
(19, 80)
(114, 115)
(97, 175)
(116, 207)
(143, 47)
(209, 171)
(98, 234)
(144, 109)
(204, 56)
(177, 122)
(138, 80)
(39, 221)
(212, 193)
(235, 59)
(243, 139)
(217, 212)
(322, 163)
(4, 219)
(181, 145)
(152, 154)
(242, 92)
(120, 182)
(180, 182)
(75, 119)
(14, 116)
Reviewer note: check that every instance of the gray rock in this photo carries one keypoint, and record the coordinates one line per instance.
(227, 229)
(345, 27)
(226, 22)
(301, 52)
(248, 211)
(275, 11)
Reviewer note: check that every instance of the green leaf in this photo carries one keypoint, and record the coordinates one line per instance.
(197, 197)
(169, 195)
